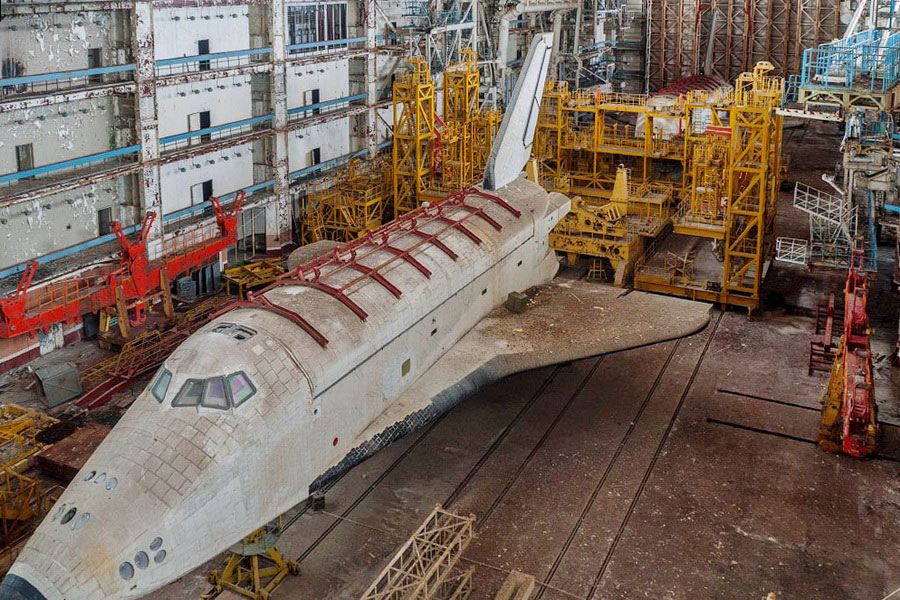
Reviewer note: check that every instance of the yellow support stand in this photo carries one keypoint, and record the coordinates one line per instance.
(255, 566)
(832, 401)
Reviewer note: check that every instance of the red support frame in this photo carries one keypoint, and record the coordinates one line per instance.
(350, 255)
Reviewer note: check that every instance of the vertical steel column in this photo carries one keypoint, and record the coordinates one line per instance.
(371, 78)
(278, 214)
(147, 124)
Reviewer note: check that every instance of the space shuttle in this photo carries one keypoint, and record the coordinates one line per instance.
(284, 391)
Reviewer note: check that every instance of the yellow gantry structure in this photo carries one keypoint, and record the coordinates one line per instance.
(709, 164)
(434, 157)
(582, 137)
(414, 132)
(617, 228)
(350, 205)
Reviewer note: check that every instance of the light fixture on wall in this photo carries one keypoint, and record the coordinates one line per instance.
(176, 18)
(48, 206)
(182, 94)
(70, 201)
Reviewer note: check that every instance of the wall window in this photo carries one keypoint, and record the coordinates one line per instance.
(317, 22)
(95, 61)
(198, 121)
(203, 48)
(312, 97)
(24, 157)
(9, 68)
(315, 156)
(201, 192)
(104, 221)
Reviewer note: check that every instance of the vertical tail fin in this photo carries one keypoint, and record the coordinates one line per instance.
(512, 146)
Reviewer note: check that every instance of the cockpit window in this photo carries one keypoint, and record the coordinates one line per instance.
(240, 387)
(160, 384)
(189, 394)
(220, 393)
(215, 394)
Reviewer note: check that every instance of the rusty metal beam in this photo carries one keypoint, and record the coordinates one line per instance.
(71, 184)
(198, 76)
(37, 8)
(62, 97)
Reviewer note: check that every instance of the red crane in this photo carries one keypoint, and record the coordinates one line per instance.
(849, 414)
(133, 281)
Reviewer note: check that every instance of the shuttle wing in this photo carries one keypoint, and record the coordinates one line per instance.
(552, 330)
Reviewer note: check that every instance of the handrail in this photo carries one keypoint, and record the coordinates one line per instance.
(223, 199)
(214, 129)
(69, 163)
(165, 62)
(326, 103)
(324, 44)
(28, 79)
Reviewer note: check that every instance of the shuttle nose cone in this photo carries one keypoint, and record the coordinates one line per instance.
(14, 587)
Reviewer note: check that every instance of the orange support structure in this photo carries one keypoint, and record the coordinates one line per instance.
(137, 276)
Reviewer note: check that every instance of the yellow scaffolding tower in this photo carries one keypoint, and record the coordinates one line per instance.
(733, 176)
(754, 176)
(350, 205)
(413, 159)
(583, 137)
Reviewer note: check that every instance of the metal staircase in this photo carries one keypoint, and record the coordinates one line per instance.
(833, 223)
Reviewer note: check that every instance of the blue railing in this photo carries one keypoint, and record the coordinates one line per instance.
(306, 171)
(225, 199)
(206, 62)
(69, 164)
(862, 63)
(302, 111)
(207, 134)
(62, 80)
(791, 90)
(323, 45)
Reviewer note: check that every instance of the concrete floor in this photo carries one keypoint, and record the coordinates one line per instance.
(679, 470)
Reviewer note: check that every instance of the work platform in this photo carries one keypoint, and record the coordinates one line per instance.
(689, 266)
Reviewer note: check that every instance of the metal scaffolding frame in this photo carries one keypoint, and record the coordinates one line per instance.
(425, 567)
(726, 38)
(413, 156)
